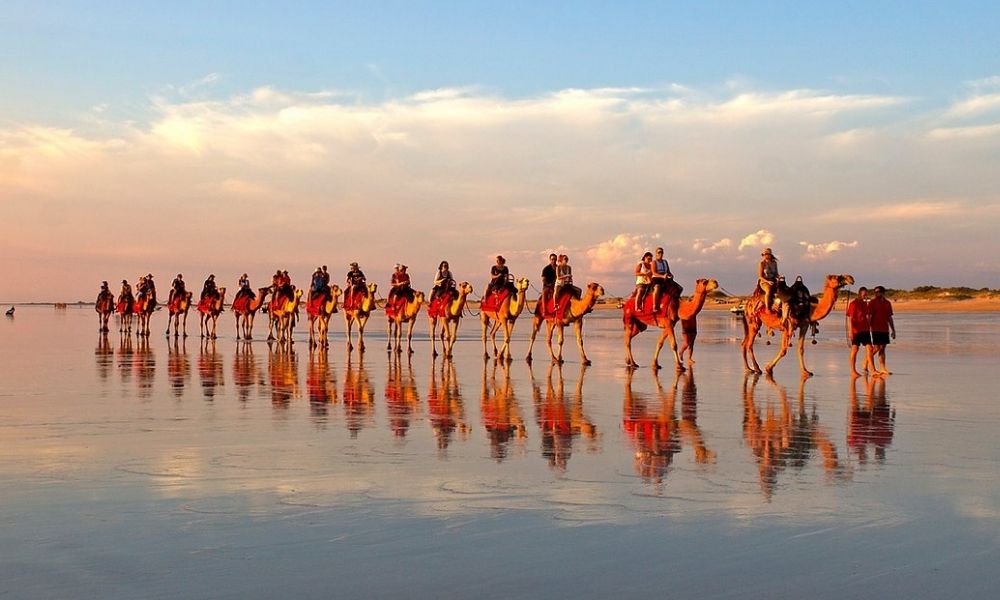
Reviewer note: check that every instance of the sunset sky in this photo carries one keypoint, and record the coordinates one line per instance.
(225, 137)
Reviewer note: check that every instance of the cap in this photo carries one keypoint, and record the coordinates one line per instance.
(396, 266)
(767, 251)
(354, 264)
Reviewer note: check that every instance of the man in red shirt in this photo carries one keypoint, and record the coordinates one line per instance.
(882, 326)
(859, 331)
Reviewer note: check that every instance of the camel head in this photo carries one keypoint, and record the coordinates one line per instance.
(595, 289)
(418, 298)
(522, 284)
(335, 291)
(464, 288)
(709, 285)
(372, 288)
(839, 281)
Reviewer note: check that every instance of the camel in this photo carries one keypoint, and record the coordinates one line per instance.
(104, 306)
(359, 313)
(688, 313)
(503, 316)
(402, 311)
(665, 318)
(210, 307)
(144, 310)
(281, 314)
(319, 312)
(801, 318)
(126, 308)
(178, 306)
(572, 315)
(448, 312)
(245, 309)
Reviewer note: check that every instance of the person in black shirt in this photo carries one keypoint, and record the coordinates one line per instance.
(499, 276)
(356, 281)
(549, 280)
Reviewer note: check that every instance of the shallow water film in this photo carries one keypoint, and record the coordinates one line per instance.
(185, 468)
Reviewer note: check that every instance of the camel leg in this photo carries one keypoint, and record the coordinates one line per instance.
(560, 338)
(409, 336)
(782, 350)
(361, 334)
(350, 326)
(578, 328)
(493, 337)
(388, 334)
(508, 331)
(433, 334)
(485, 322)
(536, 324)
(802, 353)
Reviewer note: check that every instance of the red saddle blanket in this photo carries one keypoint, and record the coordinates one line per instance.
(206, 304)
(396, 307)
(241, 304)
(124, 307)
(315, 304)
(494, 300)
(353, 300)
(438, 307)
(174, 306)
(556, 307)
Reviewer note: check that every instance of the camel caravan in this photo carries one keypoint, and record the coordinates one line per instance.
(657, 301)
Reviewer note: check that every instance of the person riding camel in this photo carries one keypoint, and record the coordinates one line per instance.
(177, 288)
(319, 286)
(105, 291)
(767, 276)
(244, 288)
(126, 292)
(443, 281)
(643, 279)
(285, 286)
(564, 278)
(499, 277)
(400, 284)
(141, 288)
(209, 289)
(356, 283)
(659, 277)
(549, 278)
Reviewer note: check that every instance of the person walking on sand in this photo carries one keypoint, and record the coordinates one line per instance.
(859, 331)
(883, 327)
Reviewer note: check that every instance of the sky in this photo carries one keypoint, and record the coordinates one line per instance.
(231, 137)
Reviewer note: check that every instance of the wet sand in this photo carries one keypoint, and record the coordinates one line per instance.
(231, 469)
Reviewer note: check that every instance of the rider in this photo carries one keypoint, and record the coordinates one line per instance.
(442, 280)
(319, 284)
(105, 291)
(400, 284)
(177, 288)
(356, 281)
(142, 288)
(209, 289)
(245, 289)
(564, 276)
(643, 278)
(549, 278)
(499, 276)
(661, 273)
(767, 276)
(126, 293)
(285, 286)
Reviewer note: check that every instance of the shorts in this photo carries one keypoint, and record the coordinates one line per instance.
(880, 338)
(861, 339)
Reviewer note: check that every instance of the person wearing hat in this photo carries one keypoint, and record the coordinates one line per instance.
(141, 288)
(244, 288)
(125, 296)
(356, 282)
(318, 285)
(400, 284)
(177, 288)
(767, 276)
(151, 286)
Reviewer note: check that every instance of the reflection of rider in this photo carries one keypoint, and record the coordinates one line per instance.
(767, 276)
(443, 280)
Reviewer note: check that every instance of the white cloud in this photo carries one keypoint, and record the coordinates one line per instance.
(702, 246)
(618, 254)
(904, 211)
(971, 132)
(818, 250)
(761, 237)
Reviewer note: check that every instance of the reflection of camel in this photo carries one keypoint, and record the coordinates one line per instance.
(178, 367)
(126, 308)
(401, 397)
(358, 398)
(559, 421)
(104, 355)
(502, 315)
(573, 315)
(283, 374)
(756, 315)
(246, 373)
(500, 411)
(320, 309)
(282, 312)
(210, 368)
(144, 367)
(636, 321)
(210, 308)
(402, 311)
(688, 313)
(871, 425)
(176, 308)
(245, 309)
(448, 317)
(782, 438)
(359, 313)
(445, 406)
(104, 306)
(321, 384)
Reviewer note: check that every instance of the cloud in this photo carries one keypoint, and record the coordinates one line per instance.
(702, 246)
(976, 104)
(761, 237)
(971, 132)
(814, 251)
(919, 210)
(619, 254)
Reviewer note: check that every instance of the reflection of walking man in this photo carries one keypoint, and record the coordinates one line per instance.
(859, 330)
(882, 326)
